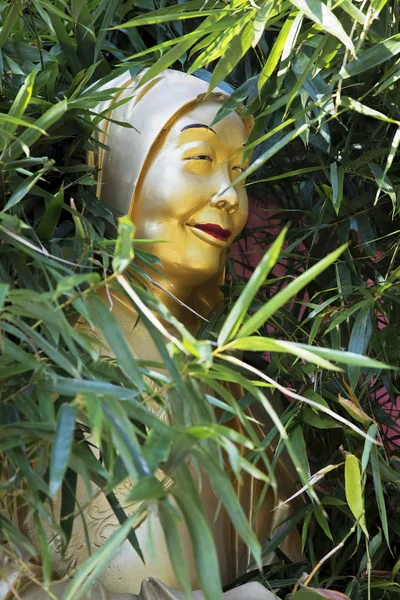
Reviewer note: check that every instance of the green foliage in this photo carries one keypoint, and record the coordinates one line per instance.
(322, 81)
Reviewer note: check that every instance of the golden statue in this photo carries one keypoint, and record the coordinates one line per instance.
(172, 173)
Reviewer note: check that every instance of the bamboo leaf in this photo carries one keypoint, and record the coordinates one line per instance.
(166, 60)
(24, 188)
(225, 492)
(376, 474)
(124, 254)
(273, 305)
(357, 413)
(4, 287)
(61, 448)
(389, 161)
(188, 10)
(260, 21)
(204, 551)
(90, 570)
(372, 57)
(241, 306)
(354, 491)
(337, 179)
(276, 51)
(20, 103)
(170, 527)
(357, 106)
(234, 52)
(367, 448)
(105, 321)
(321, 15)
(48, 223)
(9, 22)
(359, 340)
(263, 344)
(30, 136)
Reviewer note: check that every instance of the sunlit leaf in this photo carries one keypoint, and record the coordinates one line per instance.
(320, 13)
(354, 490)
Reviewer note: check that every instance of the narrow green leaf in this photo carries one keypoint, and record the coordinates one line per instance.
(108, 325)
(30, 136)
(352, 10)
(357, 413)
(284, 141)
(389, 161)
(90, 570)
(298, 444)
(374, 544)
(187, 10)
(383, 182)
(275, 303)
(166, 60)
(4, 287)
(125, 439)
(263, 344)
(359, 339)
(363, 109)
(321, 15)
(45, 553)
(204, 552)
(315, 418)
(241, 306)
(48, 223)
(345, 314)
(55, 355)
(261, 18)
(276, 51)
(323, 522)
(377, 477)
(12, 533)
(237, 48)
(66, 42)
(225, 492)
(288, 49)
(284, 531)
(147, 488)
(61, 448)
(354, 491)
(9, 21)
(374, 56)
(20, 103)
(216, 44)
(168, 519)
(337, 178)
(367, 448)
(121, 516)
(26, 186)
(67, 513)
(123, 253)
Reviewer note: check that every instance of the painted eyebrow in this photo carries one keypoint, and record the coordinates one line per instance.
(199, 126)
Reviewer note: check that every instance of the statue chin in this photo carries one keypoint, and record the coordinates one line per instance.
(174, 176)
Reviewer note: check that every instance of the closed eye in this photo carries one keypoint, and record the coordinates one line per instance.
(199, 157)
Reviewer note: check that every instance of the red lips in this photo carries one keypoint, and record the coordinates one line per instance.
(215, 230)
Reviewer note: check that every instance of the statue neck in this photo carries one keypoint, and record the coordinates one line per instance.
(175, 295)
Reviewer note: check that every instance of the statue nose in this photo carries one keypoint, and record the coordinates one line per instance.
(226, 198)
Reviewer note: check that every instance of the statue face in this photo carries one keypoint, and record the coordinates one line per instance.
(183, 197)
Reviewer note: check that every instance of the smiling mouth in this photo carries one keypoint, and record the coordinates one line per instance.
(214, 230)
